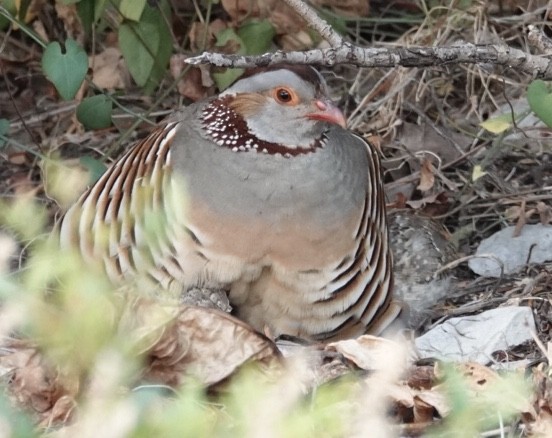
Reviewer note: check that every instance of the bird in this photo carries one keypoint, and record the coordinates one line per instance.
(260, 191)
(421, 247)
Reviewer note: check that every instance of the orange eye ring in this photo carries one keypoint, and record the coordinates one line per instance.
(285, 96)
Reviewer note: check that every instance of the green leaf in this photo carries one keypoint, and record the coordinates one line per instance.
(257, 36)
(15, 421)
(338, 23)
(498, 124)
(66, 70)
(95, 112)
(90, 12)
(539, 96)
(22, 9)
(11, 8)
(229, 40)
(146, 46)
(99, 8)
(132, 9)
(85, 10)
(477, 172)
(95, 167)
(252, 38)
(4, 128)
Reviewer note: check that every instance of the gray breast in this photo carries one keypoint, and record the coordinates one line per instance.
(322, 186)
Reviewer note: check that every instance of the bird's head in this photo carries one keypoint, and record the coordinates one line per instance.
(281, 109)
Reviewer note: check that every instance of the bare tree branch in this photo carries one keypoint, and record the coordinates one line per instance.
(539, 40)
(342, 52)
(318, 24)
(537, 66)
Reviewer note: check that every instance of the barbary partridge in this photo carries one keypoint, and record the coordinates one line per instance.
(421, 247)
(261, 191)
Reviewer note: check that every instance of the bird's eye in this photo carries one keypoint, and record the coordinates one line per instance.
(283, 95)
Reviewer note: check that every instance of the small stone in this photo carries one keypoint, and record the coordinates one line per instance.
(502, 249)
(474, 338)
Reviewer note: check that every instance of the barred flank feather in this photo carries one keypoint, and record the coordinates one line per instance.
(363, 283)
(122, 219)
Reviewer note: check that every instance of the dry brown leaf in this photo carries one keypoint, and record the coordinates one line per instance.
(32, 11)
(61, 413)
(72, 23)
(375, 140)
(239, 9)
(402, 401)
(289, 26)
(427, 176)
(402, 395)
(522, 219)
(433, 398)
(202, 38)
(416, 138)
(421, 377)
(512, 213)
(399, 202)
(299, 40)
(211, 355)
(545, 213)
(542, 427)
(416, 400)
(414, 406)
(18, 158)
(187, 340)
(22, 184)
(196, 84)
(34, 384)
(437, 198)
(423, 410)
(284, 19)
(177, 341)
(479, 376)
(109, 70)
(40, 30)
(369, 352)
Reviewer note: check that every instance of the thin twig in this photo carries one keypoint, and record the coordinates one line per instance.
(318, 24)
(459, 261)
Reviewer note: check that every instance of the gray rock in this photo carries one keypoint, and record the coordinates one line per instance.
(512, 252)
(475, 338)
